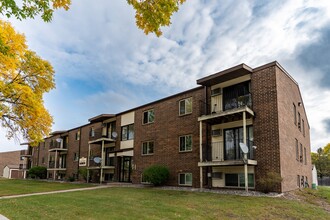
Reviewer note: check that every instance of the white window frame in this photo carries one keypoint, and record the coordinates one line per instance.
(185, 143)
(185, 179)
(148, 147)
(148, 116)
(186, 101)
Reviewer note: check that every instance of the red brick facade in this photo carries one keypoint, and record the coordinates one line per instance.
(273, 93)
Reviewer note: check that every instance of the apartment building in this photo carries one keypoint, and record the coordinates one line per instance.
(197, 135)
(11, 158)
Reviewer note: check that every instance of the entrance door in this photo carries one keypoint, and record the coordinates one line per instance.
(125, 169)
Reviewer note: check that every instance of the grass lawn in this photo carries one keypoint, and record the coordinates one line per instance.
(15, 187)
(148, 203)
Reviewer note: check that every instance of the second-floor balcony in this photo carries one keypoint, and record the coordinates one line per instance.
(24, 166)
(58, 165)
(226, 153)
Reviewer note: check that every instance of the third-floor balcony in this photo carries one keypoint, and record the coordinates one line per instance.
(26, 153)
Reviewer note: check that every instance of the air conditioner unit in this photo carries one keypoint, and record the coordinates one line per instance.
(216, 91)
(217, 132)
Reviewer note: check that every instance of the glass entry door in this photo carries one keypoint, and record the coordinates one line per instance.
(125, 169)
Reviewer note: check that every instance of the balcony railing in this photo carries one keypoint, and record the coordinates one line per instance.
(108, 162)
(26, 153)
(58, 166)
(97, 134)
(24, 166)
(240, 101)
(218, 151)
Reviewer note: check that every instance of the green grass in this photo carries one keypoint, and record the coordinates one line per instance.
(15, 187)
(148, 203)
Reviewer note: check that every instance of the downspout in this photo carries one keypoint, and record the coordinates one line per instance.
(78, 152)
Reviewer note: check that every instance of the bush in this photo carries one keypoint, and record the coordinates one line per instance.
(71, 179)
(38, 172)
(156, 174)
(268, 183)
(83, 173)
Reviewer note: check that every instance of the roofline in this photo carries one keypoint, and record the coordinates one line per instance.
(241, 66)
(99, 117)
(160, 100)
(275, 63)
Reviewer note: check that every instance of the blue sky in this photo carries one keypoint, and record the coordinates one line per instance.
(105, 64)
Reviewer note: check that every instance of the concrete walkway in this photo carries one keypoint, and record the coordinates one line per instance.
(54, 192)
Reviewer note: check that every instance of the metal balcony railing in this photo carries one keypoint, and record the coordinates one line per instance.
(220, 151)
(26, 153)
(240, 101)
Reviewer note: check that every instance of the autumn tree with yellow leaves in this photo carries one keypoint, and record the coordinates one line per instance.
(24, 78)
(150, 15)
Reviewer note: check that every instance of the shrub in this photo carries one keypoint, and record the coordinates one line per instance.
(83, 173)
(71, 179)
(156, 174)
(38, 172)
(268, 183)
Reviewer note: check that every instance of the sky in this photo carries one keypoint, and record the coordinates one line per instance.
(105, 64)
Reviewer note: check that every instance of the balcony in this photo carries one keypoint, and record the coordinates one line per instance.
(58, 166)
(219, 155)
(26, 153)
(57, 146)
(109, 163)
(24, 166)
(100, 135)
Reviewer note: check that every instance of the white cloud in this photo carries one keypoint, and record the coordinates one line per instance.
(98, 42)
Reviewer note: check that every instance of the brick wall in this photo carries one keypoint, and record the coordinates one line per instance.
(9, 158)
(265, 125)
(165, 132)
(288, 94)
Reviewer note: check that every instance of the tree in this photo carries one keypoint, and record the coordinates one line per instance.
(321, 160)
(150, 14)
(24, 78)
(32, 8)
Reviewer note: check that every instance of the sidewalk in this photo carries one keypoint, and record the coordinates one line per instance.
(54, 192)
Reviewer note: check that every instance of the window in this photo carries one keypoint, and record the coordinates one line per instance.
(43, 160)
(301, 153)
(92, 132)
(185, 179)
(238, 180)
(297, 150)
(148, 116)
(185, 143)
(298, 180)
(295, 114)
(299, 122)
(127, 132)
(78, 135)
(303, 126)
(305, 156)
(185, 106)
(75, 157)
(147, 148)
